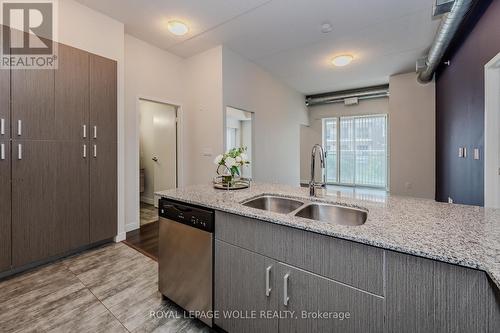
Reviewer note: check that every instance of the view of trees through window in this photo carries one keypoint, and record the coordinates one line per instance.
(356, 150)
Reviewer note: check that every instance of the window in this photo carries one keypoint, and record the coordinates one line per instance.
(356, 150)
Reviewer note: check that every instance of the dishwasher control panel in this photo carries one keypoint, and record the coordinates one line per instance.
(196, 217)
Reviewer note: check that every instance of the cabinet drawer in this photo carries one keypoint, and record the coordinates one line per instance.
(348, 262)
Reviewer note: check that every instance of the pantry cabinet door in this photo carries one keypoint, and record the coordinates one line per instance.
(240, 288)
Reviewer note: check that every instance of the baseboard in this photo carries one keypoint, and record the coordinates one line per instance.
(149, 201)
(131, 227)
(120, 237)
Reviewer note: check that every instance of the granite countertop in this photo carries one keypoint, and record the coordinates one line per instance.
(464, 235)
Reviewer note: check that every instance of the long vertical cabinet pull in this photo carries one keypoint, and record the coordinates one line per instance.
(268, 276)
(286, 299)
(19, 127)
(95, 151)
(84, 151)
(2, 151)
(19, 151)
(2, 126)
(95, 132)
(84, 129)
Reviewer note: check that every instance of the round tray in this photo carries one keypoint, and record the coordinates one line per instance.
(237, 186)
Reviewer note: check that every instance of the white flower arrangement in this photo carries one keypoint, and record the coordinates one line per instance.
(233, 160)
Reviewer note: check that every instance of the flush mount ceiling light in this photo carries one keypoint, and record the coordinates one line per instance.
(342, 60)
(177, 28)
(326, 27)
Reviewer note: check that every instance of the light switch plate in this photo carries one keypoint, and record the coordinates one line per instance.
(477, 154)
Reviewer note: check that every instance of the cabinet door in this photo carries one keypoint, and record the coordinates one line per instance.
(309, 294)
(72, 94)
(34, 227)
(32, 104)
(240, 286)
(103, 164)
(5, 221)
(72, 194)
(4, 104)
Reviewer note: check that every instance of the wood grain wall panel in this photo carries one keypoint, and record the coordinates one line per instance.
(35, 233)
(5, 214)
(349, 262)
(72, 109)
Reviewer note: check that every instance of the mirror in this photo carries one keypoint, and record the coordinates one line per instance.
(239, 133)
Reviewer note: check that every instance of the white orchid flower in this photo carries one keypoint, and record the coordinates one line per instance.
(230, 162)
(218, 159)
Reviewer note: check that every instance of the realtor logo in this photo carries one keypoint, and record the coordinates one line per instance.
(28, 34)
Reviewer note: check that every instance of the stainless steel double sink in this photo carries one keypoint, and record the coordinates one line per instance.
(310, 210)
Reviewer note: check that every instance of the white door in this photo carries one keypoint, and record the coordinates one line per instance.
(158, 152)
(165, 149)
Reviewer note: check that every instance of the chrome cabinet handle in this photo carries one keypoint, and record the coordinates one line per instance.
(19, 127)
(2, 151)
(268, 275)
(95, 151)
(95, 132)
(84, 151)
(285, 290)
(19, 151)
(2, 126)
(84, 131)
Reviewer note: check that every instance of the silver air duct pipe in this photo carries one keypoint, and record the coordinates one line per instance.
(447, 30)
(346, 95)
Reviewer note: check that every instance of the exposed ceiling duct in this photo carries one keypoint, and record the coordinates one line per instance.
(449, 26)
(348, 97)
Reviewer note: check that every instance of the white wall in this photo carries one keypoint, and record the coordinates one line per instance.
(86, 29)
(412, 119)
(312, 134)
(203, 116)
(156, 75)
(278, 113)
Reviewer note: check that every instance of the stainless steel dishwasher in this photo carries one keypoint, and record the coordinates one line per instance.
(185, 257)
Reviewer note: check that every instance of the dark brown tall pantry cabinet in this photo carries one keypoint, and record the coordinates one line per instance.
(58, 163)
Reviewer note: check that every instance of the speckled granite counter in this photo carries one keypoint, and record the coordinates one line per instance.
(463, 235)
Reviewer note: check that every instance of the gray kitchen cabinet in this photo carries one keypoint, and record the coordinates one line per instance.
(32, 99)
(244, 281)
(34, 201)
(72, 110)
(424, 295)
(4, 104)
(343, 308)
(5, 243)
(103, 142)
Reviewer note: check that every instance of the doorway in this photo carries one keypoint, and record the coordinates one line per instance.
(492, 134)
(157, 155)
(239, 133)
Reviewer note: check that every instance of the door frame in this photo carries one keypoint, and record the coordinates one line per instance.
(137, 139)
(492, 133)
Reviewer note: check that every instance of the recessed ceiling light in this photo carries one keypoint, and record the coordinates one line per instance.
(177, 28)
(342, 60)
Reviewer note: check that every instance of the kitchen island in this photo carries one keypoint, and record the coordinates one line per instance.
(414, 265)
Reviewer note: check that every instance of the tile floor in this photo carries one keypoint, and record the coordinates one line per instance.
(149, 214)
(109, 289)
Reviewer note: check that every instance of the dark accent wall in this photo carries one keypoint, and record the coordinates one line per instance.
(460, 106)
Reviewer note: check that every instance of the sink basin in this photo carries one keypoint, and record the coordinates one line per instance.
(334, 214)
(274, 204)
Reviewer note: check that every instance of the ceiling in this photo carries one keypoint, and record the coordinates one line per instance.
(284, 36)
